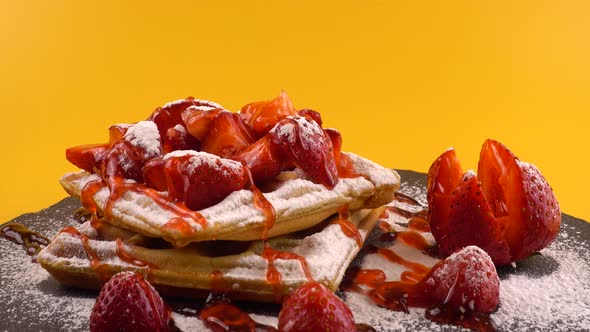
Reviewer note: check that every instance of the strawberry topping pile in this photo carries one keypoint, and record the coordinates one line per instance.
(195, 149)
(127, 302)
(508, 209)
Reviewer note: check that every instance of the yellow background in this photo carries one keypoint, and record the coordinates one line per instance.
(402, 80)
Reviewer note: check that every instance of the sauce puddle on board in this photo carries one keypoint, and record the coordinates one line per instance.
(31, 241)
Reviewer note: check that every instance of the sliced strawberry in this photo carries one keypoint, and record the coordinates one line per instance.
(499, 175)
(126, 157)
(262, 116)
(469, 222)
(227, 135)
(466, 281)
(312, 307)
(444, 175)
(520, 199)
(87, 157)
(263, 159)
(509, 211)
(129, 303)
(198, 120)
(199, 179)
(303, 142)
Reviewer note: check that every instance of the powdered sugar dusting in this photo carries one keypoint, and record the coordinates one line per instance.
(27, 298)
(301, 130)
(285, 131)
(199, 158)
(559, 301)
(188, 323)
(464, 258)
(173, 103)
(203, 108)
(145, 136)
(180, 128)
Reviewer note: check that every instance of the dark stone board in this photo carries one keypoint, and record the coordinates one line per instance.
(30, 300)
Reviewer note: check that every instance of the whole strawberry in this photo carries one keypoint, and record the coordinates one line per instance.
(127, 302)
(312, 307)
(466, 280)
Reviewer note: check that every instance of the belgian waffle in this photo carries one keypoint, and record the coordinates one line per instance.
(197, 268)
(298, 203)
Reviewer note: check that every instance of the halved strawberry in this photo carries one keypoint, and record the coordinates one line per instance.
(87, 157)
(512, 215)
(199, 179)
(262, 116)
(127, 302)
(466, 280)
(227, 135)
(303, 142)
(198, 120)
(312, 307)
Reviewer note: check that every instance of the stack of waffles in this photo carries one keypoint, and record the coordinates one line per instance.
(199, 199)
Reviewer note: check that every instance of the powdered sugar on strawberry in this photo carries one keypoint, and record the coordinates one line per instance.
(199, 158)
(145, 136)
(203, 108)
(467, 280)
(307, 129)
